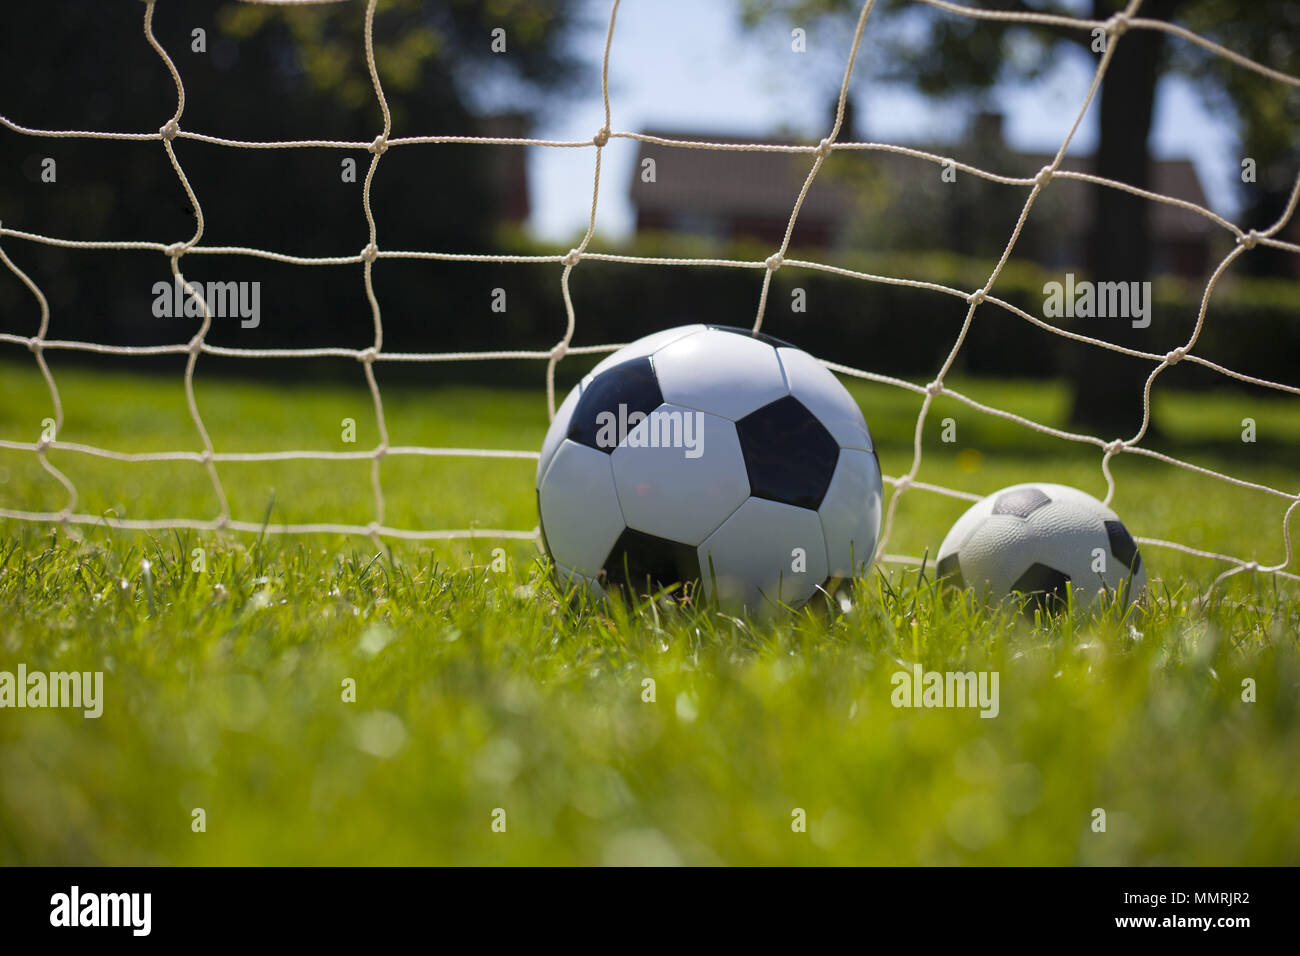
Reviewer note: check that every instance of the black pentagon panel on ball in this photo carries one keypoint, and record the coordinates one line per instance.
(1045, 585)
(771, 340)
(1022, 502)
(949, 571)
(789, 454)
(625, 388)
(1123, 546)
(644, 563)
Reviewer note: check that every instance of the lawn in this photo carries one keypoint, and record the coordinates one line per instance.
(614, 735)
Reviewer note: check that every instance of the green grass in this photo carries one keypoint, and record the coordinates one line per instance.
(478, 689)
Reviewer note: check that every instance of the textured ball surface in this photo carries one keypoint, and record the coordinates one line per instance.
(1034, 538)
(711, 457)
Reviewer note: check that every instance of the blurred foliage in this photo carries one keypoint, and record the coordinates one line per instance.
(898, 330)
(268, 73)
(416, 43)
(1267, 112)
(940, 53)
(943, 54)
(970, 217)
(949, 56)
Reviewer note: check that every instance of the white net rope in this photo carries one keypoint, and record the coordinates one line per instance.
(208, 457)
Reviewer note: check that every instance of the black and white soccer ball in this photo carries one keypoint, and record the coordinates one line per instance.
(1035, 538)
(712, 455)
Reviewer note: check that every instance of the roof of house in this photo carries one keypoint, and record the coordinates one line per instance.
(763, 184)
(1176, 178)
(748, 183)
(507, 169)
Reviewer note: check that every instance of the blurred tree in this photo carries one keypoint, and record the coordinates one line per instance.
(945, 55)
(1267, 113)
(263, 73)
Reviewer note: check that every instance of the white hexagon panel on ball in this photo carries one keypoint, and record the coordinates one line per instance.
(764, 556)
(664, 491)
(851, 513)
(720, 372)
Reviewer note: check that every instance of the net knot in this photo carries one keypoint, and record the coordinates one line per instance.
(372, 529)
(823, 148)
(934, 388)
(379, 146)
(572, 257)
(1249, 240)
(370, 252)
(903, 483)
(43, 444)
(1251, 566)
(774, 261)
(196, 345)
(172, 250)
(1175, 356)
(221, 523)
(205, 457)
(1043, 176)
(1117, 24)
(381, 451)
(976, 297)
(1115, 447)
(366, 356)
(601, 137)
(559, 351)
(35, 345)
(169, 130)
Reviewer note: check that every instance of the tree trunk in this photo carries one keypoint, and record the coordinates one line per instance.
(1107, 386)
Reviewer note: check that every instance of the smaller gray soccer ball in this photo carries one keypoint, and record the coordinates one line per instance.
(1033, 539)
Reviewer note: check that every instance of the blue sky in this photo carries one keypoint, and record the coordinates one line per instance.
(691, 65)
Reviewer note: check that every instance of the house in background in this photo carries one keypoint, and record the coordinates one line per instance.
(731, 194)
(894, 202)
(507, 166)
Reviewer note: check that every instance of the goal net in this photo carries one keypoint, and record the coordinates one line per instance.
(206, 456)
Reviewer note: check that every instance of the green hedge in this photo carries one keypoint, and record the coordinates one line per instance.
(1253, 326)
